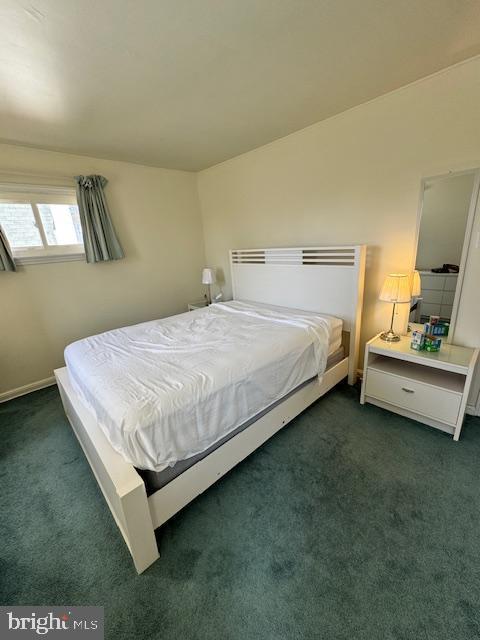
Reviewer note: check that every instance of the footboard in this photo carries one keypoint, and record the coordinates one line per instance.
(124, 490)
(121, 485)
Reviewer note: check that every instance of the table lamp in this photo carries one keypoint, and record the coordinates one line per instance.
(396, 289)
(208, 278)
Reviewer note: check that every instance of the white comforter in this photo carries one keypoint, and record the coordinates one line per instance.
(166, 390)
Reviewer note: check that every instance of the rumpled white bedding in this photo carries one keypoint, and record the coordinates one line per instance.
(166, 390)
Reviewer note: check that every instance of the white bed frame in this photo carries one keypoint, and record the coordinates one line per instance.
(324, 279)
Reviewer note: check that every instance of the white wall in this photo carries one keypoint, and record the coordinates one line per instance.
(44, 307)
(446, 203)
(354, 178)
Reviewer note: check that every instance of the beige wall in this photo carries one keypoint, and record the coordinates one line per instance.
(354, 178)
(446, 203)
(43, 307)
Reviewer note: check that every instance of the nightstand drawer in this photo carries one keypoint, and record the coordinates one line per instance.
(430, 401)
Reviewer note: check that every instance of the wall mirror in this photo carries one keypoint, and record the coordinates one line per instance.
(445, 220)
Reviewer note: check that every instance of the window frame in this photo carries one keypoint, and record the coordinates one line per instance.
(35, 195)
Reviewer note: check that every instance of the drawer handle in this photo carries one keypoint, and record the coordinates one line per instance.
(408, 390)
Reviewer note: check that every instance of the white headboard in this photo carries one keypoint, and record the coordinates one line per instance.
(324, 279)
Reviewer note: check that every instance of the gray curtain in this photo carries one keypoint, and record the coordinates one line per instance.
(99, 237)
(7, 263)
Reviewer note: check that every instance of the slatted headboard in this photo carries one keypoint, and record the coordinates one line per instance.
(325, 279)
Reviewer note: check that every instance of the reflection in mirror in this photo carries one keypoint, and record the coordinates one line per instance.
(445, 207)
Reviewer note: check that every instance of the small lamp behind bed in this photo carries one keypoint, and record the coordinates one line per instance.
(208, 278)
(396, 289)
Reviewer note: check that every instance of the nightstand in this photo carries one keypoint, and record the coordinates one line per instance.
(199, 304)
(429, 387)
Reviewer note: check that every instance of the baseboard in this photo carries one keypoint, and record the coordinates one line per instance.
(471, 410)
(27, 388)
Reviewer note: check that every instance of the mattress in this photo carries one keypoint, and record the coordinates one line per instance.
(167, 390)
(155, 480)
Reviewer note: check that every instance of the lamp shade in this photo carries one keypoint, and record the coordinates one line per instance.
(416, 284)
(396, 288)
(208, 276)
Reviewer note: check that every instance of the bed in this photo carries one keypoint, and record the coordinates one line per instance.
(164, 408)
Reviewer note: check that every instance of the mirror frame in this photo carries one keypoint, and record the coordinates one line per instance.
(466, 240)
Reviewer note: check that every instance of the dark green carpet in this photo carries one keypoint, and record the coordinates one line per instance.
(350, 523)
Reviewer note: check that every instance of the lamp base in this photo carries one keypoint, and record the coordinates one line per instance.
(390, 336)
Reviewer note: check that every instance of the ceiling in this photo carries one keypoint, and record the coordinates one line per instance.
(185, 84)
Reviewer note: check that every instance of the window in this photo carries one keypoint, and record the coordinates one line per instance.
(42, 224)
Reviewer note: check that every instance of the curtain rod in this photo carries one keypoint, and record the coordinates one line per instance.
(35, 176)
